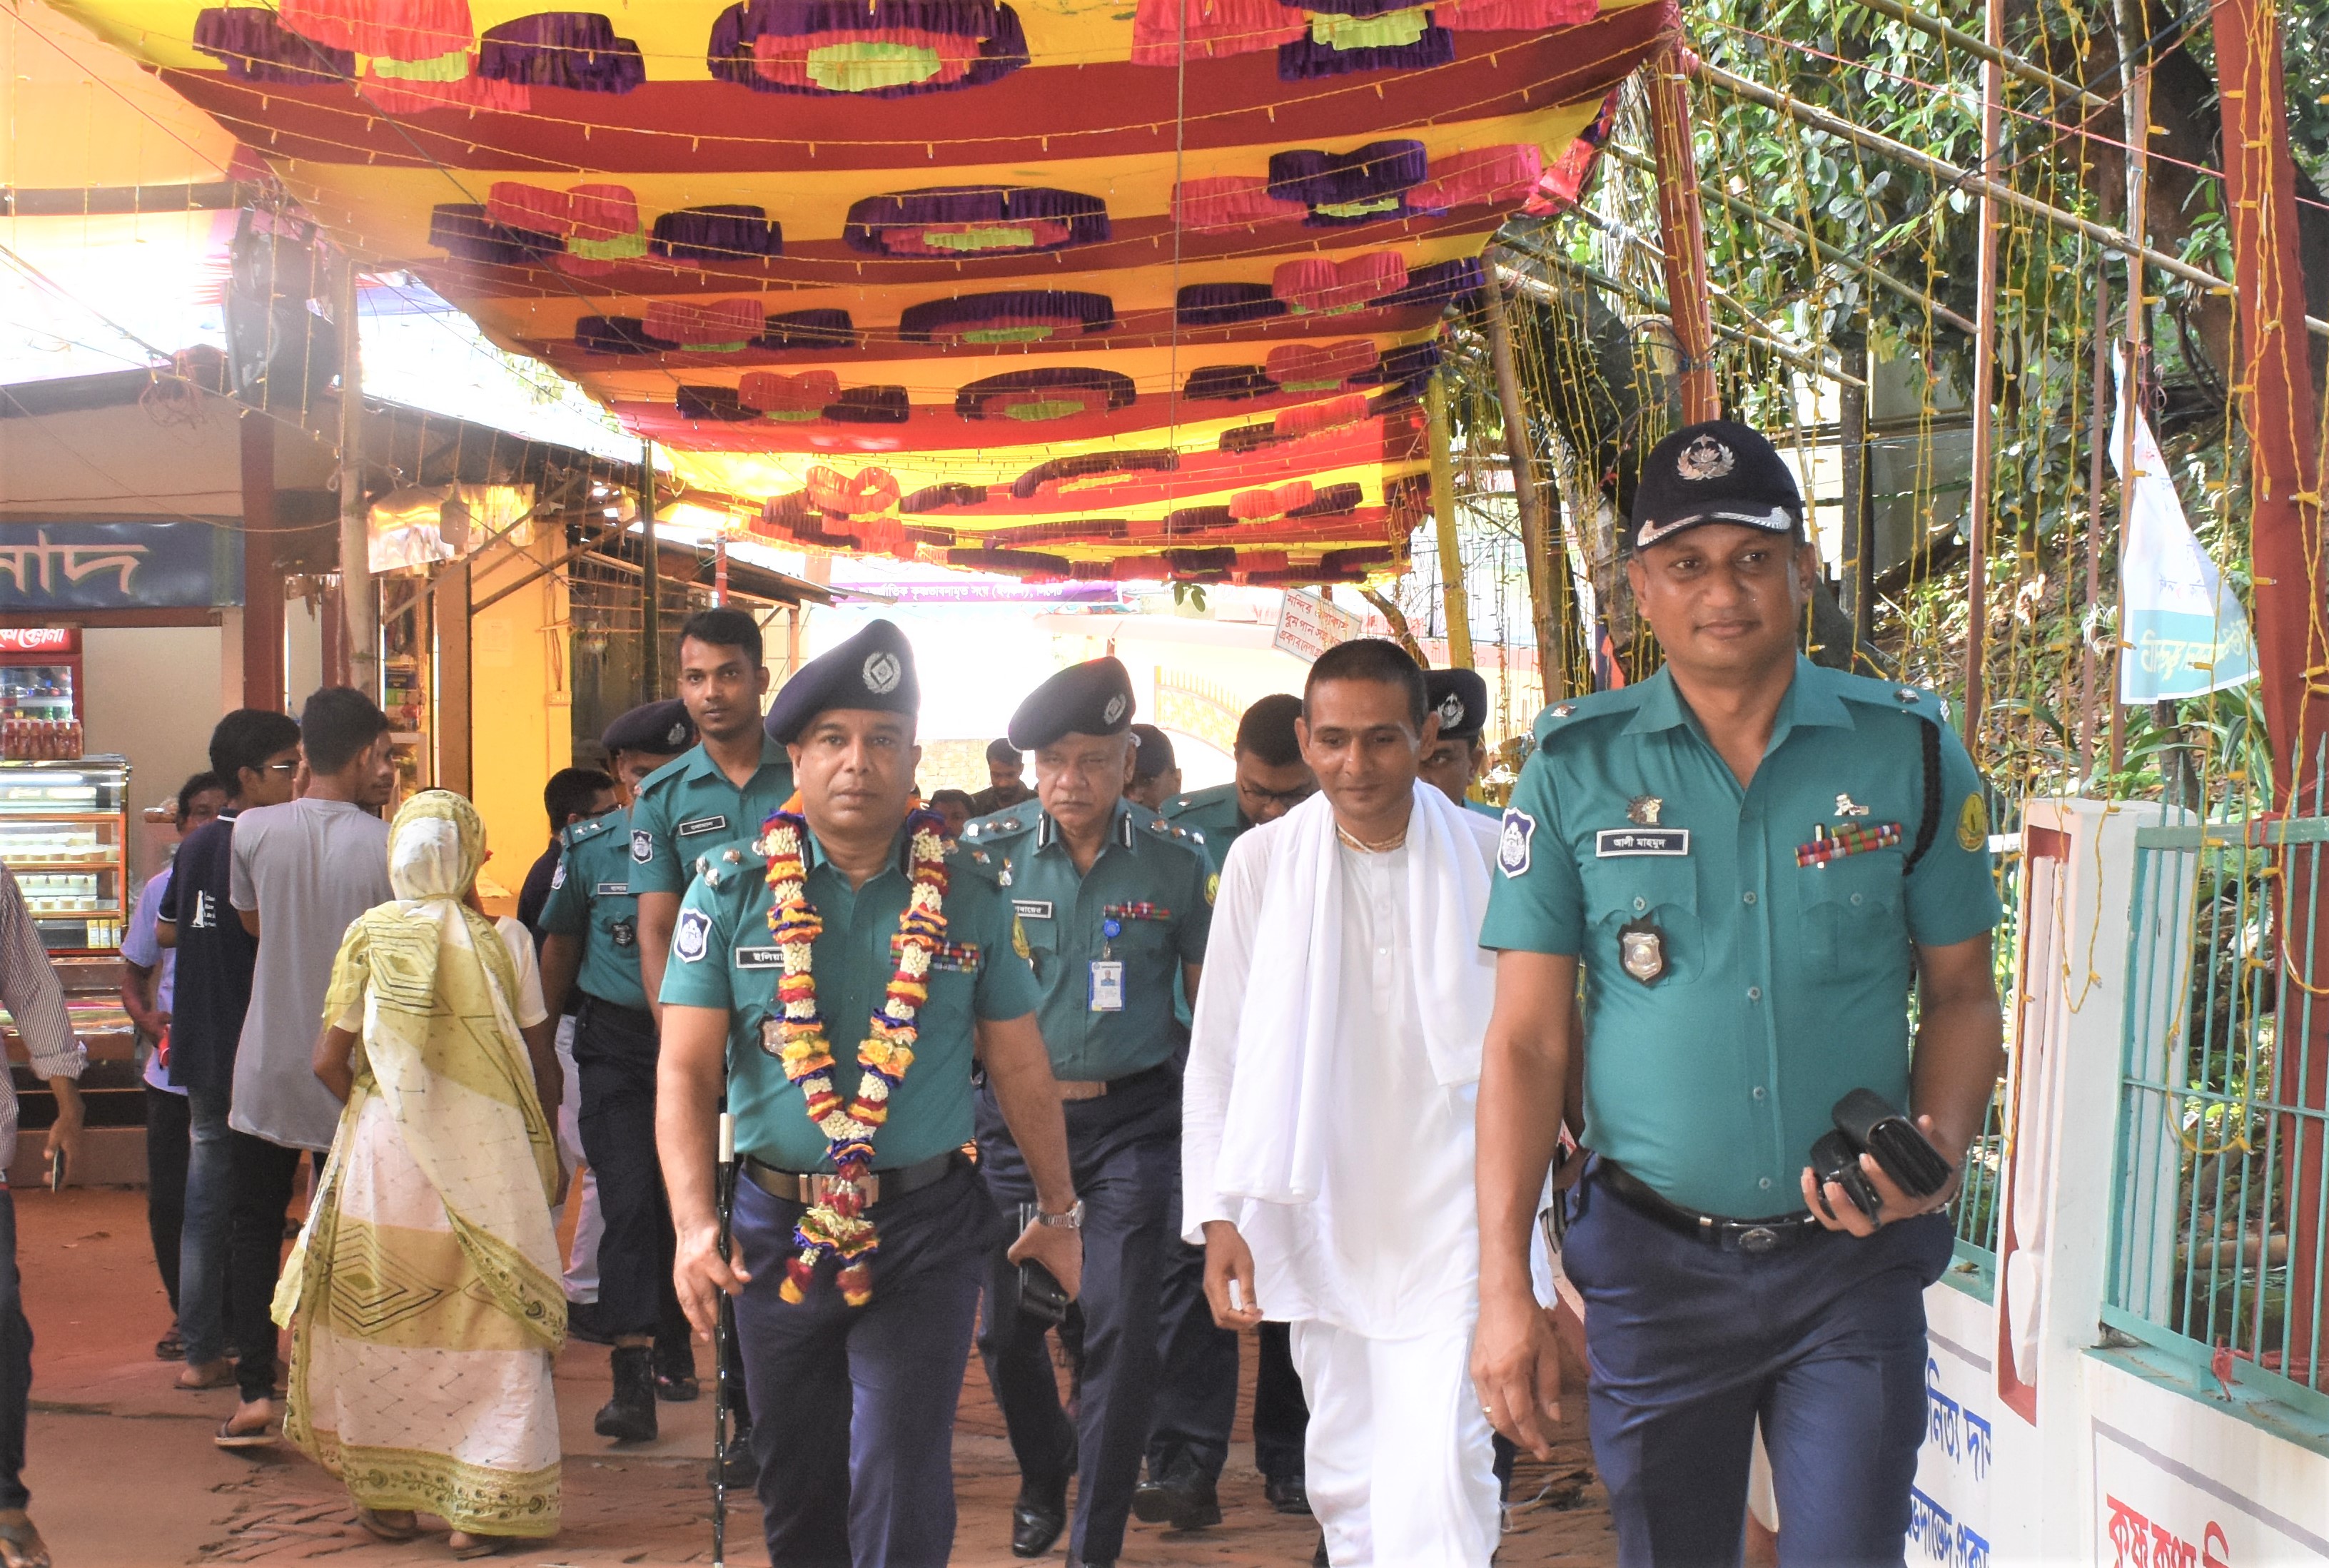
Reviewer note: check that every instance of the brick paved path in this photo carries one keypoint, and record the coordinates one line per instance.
(124, 1474)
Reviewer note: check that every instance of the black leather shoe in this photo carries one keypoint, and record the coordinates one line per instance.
(743, 1469)
(1181, 1500)
(1286, 1494)
(1037, 1518)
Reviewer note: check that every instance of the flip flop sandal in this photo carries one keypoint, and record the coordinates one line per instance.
(228, 1438)
(380, 1529)
(21, 1545)
(169, 1348)
(485, 1547)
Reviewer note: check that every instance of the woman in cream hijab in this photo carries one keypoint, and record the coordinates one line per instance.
(423, 1294)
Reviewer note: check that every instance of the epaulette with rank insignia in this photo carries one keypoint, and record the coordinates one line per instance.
(1571, 713)
(574, 833)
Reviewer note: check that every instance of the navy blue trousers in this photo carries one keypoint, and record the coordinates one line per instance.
(1124, 1149)
(615, 1056)
(855, 1438)
(1197, 1380)
(1688, 1344)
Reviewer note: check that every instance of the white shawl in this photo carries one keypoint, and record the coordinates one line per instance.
(1276, 1127)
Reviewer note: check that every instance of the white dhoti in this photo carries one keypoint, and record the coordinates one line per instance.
(581, 1263)
(1327, 1113)
(1401, 1472)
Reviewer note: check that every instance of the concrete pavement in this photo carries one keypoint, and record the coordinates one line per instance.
(124, 1474)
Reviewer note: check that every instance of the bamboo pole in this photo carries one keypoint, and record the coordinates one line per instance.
(2099, 435)
(1455, 600)
(1973, 183)
(2135, 87)
(1768, 340)
(1534, 549)
(1985, 48)
(1682, 233)
(359, 613)
(650, 582)
(1985, 391)
(1890, 282)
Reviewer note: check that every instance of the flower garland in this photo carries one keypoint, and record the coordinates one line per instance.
(838, 1226)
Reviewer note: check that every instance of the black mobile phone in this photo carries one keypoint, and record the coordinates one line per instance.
(1041, 1295)
(1835, 1159)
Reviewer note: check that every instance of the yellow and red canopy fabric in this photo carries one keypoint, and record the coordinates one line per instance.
(1070, 288)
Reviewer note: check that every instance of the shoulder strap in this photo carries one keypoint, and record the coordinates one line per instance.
(1930, 738)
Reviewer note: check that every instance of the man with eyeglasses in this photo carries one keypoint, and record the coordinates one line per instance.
(1196, 1397)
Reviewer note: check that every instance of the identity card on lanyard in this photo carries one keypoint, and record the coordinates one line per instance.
(1108, 985)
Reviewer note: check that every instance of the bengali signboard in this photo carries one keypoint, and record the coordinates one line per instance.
(52, 566)
(1949, 1514)
(1309, 624)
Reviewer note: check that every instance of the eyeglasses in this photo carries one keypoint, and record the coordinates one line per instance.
(1278, 797)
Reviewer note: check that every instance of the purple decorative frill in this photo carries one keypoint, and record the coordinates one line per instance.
(1086, 217)
(462, 229)
(714, 402)
(1409, 493)
(970, 402)
(721, 233)
(938, 497)
(255, 47)
(1020, 561)
(1337, 561)
(1086, 464)
(729, 54)
(575, 49)
(1308, 60)
(1226, 303)
(1005, 308)
(1435, 285)
(616, 334)
(1246, 439)
(871, 405)
(1409, 362)
(1198, 519)
(1319, 179)
(1219, 560)
(1226, 384)
(1348, 8)
(1332, 501)
(809, 329)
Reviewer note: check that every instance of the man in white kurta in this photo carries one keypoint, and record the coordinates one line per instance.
(1327, 1142)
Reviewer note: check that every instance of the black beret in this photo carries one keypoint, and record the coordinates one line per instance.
(1156, 751)
(1718, 471)
(873, 670)
(1003, 750)
(1086, 699)
(1460, 698)
(662, 728)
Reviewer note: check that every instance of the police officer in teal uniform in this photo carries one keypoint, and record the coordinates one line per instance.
(1196, 1400)
(863, 1354)
(716, 794)
(1452, 765)
(1116, 904)
(592, 942)
(1755, 860)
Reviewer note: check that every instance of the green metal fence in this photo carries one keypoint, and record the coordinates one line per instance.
(2219, 1177)
(1974, 1211)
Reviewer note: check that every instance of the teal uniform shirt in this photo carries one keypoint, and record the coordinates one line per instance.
(1482, 806)
(1151, 883)
(1773, 988)
(1214, 813)
(590, 897)
(687, 807)
(723, 956)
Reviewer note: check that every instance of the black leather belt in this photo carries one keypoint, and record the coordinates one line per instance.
(814, 1186)
(638, 1020)
(1753, 1237)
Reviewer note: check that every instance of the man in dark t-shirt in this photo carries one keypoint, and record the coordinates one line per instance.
(257, 754)
(572, 794)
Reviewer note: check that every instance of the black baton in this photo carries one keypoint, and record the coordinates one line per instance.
(720, 1332)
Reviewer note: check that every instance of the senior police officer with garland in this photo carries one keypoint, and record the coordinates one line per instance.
(862, 1231)
(715, 794)
(1753, 859)
(592, 940)
(1114, 904)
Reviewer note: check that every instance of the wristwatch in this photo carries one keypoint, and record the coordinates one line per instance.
(1071, 1219)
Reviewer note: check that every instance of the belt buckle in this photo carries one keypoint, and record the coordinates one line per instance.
(1759, 1240)
(821, 1186)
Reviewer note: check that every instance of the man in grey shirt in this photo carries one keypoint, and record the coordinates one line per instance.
(303, 872)
(28, 984)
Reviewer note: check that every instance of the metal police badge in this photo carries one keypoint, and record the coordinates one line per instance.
(1643, 810)
(1114, 711)
(1513, 844)
(623, 934)
(1705, 459)
(882, 672)
(1845, 806)
(1451, 711)
(693, 936)
(642, 845)
(1641, 950)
